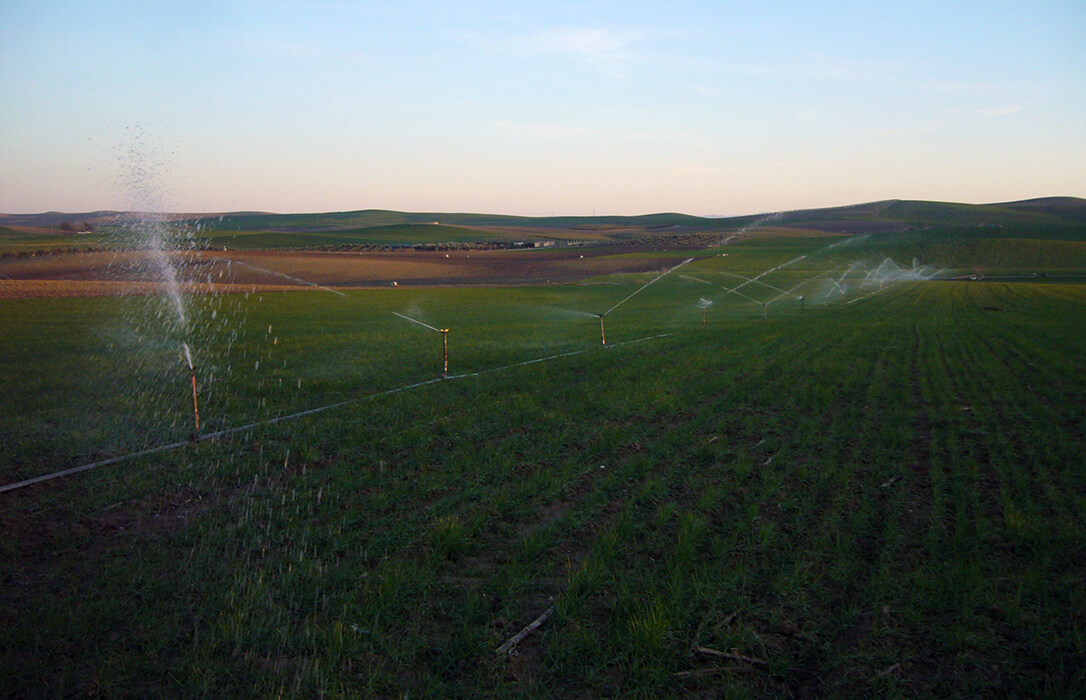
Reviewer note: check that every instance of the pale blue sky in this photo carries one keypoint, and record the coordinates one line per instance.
(524, 108)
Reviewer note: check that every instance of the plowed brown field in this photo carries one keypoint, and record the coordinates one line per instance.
(134, 272)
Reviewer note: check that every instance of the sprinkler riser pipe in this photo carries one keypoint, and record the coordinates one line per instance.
(195, 403)
(445, 352)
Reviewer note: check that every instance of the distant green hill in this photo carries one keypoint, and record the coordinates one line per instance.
(1071, 208)
(1054, 218)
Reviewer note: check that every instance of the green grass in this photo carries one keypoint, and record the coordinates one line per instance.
(16, 242)
(391, 234)
(879, 498)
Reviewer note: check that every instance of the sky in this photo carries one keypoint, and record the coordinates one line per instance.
(566, 108)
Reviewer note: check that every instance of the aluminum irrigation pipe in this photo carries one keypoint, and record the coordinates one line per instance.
(271, 421)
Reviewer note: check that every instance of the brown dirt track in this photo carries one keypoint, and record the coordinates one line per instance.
(133, 272)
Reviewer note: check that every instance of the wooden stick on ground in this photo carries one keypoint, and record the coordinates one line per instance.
(703, 672)
(734, 657)
(515, 639)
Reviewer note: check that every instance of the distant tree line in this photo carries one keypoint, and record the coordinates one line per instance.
(59, 250)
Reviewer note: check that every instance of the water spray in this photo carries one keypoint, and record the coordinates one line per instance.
(288, 277)
(738, 293)
(696, 279)
(764, 284)
(645, 286)
(704, 304)
(751, 280)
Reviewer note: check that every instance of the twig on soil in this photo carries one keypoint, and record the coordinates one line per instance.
(891, 481)
(702, 672)
(515, 639)
(734, 657)
(887, 671)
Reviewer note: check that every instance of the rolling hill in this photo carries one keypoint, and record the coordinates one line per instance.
(1059, 218)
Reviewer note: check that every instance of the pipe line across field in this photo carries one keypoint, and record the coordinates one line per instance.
(299, 414)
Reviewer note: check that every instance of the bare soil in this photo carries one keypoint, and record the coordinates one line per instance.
(134, 272)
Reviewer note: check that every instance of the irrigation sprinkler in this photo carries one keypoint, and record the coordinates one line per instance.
(195, 403)
(603, 335)
(445, 352)
(444, 340)
(704, 304)
(195, 406)
(4, 488)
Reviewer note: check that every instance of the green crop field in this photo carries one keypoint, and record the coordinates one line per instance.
(876, 490)
(390, 234)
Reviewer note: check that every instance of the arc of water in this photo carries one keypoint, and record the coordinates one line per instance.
(853, 266)
(880, 290)
(738, 293)
(797, 286)
(289, 277)
(772, 269)
(415, 320)
(647, 285)
(764, 284)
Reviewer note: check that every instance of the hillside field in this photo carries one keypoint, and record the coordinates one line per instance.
(872, 490)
